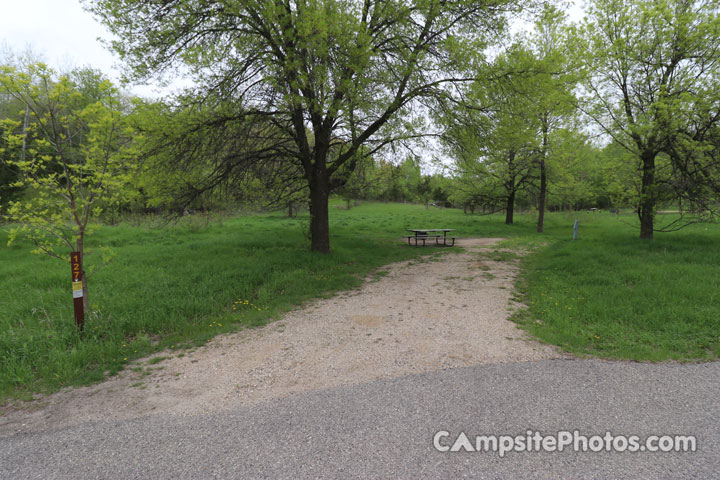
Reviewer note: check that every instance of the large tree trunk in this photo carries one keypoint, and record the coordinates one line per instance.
(646, 210)
(510, 208)
(319, 218)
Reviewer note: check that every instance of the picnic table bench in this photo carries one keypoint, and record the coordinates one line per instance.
(431, 233)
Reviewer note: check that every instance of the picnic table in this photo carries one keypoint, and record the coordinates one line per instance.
(432, 233)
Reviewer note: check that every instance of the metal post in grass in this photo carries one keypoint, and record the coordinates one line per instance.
(77, 287)
(575, 230)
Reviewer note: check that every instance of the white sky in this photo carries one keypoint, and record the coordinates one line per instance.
(61, 33)
(65, 36)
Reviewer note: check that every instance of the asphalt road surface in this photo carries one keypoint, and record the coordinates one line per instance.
(386, 429)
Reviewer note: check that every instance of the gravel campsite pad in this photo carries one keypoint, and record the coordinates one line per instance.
(444, 310)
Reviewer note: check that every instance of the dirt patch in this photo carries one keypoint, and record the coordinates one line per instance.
(423, 315)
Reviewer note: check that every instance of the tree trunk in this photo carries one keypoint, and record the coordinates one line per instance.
(541, 196)
(319, 218)
(290, 209)
(543, 181)
(510, 208)
(646, 210)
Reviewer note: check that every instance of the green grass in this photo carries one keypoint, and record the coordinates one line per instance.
(612, 295)
(176, 287)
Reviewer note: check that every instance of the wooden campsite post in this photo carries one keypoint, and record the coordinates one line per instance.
(575, 230)
(77, 287)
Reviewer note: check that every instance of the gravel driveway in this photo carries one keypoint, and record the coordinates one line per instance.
(443, 311)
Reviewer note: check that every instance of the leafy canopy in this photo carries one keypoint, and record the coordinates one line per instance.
(73, 156)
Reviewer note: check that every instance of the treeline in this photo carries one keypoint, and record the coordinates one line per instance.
(173, 172)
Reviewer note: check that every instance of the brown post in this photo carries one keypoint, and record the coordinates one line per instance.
(76, 268)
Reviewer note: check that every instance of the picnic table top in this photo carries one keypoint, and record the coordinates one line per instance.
(430, 229)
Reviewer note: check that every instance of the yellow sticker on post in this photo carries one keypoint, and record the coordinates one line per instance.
(77, 289)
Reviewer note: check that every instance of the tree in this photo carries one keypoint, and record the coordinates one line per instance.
(333, 75)
(9, 189)
(494, 138)
(10, 108)
(655, 90)
(503, 140)
(550, 87)
(73, 155)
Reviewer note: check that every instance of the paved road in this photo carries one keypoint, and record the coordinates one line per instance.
(385, 429)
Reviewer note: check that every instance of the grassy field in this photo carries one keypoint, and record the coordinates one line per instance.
(607, 294)
(613, 295)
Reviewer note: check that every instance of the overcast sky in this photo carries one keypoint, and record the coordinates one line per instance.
(61, 33)
(65, 36)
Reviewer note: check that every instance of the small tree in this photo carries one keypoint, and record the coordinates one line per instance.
(550, 88)
(72, 156)
(494, 141)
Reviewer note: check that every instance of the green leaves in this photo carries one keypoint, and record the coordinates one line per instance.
(655, 90)
(333, 76)
(74, 154)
